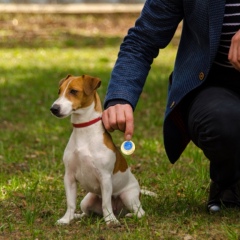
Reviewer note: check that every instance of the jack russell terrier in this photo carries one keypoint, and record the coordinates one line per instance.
(92, 158)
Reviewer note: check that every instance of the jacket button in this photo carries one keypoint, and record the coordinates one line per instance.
(201, 76)
(172, 105)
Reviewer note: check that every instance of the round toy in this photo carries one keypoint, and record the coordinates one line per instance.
(127, 147)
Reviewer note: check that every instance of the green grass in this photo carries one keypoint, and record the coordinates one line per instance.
(32, 142)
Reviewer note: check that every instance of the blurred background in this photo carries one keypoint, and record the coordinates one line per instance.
(71, 1)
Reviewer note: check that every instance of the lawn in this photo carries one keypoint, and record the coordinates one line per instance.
(36, 52)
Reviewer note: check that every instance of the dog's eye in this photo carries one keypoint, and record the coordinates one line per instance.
(73, 91)
(59, 91)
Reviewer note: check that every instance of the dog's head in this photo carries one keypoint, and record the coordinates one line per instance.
(75, 93)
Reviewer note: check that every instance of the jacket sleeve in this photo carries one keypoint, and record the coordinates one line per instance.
(153, 30)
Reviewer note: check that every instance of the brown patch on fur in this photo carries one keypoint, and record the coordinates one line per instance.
(121, 163)
(85, 91)
(98, 104)
(64, 79)
(90, 84)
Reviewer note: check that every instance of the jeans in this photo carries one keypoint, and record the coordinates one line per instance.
(214, 126)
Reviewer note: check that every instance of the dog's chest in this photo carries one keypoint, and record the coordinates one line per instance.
(86, 158)
(86, 171)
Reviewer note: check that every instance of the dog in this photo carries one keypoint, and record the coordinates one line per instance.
(91, 158)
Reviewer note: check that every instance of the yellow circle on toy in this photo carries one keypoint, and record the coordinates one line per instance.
(127, 147)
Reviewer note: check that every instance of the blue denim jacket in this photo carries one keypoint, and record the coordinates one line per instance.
(154, 29)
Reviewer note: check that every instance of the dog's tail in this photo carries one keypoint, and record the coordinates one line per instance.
(148, 193)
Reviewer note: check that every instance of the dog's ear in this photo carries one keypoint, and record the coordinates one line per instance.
(90, 84)
(64, 79)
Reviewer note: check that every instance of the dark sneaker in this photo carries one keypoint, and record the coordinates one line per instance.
(229, 198)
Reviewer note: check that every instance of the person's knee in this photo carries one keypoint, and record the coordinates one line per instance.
(214, 119)
(220, 133)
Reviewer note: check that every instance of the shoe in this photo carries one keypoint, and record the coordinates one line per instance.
(229, 197)
(214, 202)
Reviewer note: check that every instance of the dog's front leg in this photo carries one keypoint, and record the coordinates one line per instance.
(106, 188)
(71, 194)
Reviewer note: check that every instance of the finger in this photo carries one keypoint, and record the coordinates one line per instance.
(120, 117)
(231, 54)
(113, 117)
(238, 56)
(105, 119)
(129, 129)
(233, 57)
(234, 51)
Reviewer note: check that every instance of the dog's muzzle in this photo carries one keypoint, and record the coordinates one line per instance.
(55, 109)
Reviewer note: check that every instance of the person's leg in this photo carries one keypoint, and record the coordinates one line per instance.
(214, 126)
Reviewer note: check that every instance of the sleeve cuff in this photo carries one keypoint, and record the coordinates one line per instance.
(115, 102)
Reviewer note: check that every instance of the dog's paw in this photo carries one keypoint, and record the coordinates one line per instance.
(129, 215)
(63, 221)
(112, 221)
(77, 216)
(138, 214)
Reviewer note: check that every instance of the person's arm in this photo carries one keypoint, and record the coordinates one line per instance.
(153, 30)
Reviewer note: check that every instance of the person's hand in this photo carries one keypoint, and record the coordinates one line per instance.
(119, 117)
(234, 51)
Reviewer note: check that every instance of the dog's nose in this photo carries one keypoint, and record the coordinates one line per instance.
(55, 109)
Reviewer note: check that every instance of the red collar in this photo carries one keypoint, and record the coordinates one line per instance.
(85, 124)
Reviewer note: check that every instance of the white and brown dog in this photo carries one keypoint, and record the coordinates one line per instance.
(92, 158)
